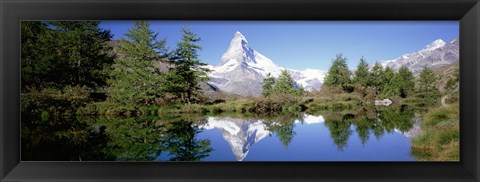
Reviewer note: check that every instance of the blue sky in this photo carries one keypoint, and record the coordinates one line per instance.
(305, 44)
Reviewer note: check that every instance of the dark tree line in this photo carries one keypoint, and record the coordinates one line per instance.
(136, 71)
(378, 80)
(64, 53)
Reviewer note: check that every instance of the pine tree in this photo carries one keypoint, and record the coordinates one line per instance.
(267, 87)
(362, 76)
(376, 75)
(426, 82)
(34, 45)
(339, 74)
(285, 85)
(135, 80)
(386, 78)
(188, 67)
(65, 53)
(402, 83)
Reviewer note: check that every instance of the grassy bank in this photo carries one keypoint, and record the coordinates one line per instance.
(439, 140)
(338, 102)
(258, 105)
(244, 105)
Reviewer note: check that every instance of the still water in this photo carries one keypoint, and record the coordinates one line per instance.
(379, 135)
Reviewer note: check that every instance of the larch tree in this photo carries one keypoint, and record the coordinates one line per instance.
(56, 54)
(190, 71)
(267, 87)
(362, 75)
(402, 83)
(285, 85)
(339, 74)
(376, 75)
(427, 81)
(135, 81)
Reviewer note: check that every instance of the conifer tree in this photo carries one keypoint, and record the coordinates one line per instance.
(386, 78)
(64, 53)
(135, 80)
(402, 83)
(189, 69)
(34, 45)
(377, 74)
(339, 74)
(362, 76)
(426, 81)
(285, 85)
(267, 87)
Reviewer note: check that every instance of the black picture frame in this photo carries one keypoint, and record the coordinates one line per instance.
(13, 11)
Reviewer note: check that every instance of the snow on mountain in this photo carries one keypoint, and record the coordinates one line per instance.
(241, 134)
(240, 52)
(242, 70)
(436, 54)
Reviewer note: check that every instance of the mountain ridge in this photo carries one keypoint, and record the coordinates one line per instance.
(242, 70)
(436, 54)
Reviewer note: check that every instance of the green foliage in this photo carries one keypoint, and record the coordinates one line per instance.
(402, 83)
(72, 139)
(135, 81)
(452, 87)
(340, 102)
(453, 82)
(339, 74)
(377, 74)
(440, 137)
(340, 130)
(283, 128)
(188, 68)
(53, 101)
(427, 81)
(181, 144)
(267, 88)
(64, 53)
(362, 76)
(285, 86)
(385, 81)
(401, 119)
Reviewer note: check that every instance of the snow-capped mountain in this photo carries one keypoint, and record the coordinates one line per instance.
(242, 70)
(434, 55)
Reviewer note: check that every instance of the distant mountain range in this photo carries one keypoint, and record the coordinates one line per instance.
(242, 69)
(434, 55)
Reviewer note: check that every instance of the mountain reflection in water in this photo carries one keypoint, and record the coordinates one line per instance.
(366, 135)
(242, 134)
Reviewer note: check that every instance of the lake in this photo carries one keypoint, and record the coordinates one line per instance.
(379, 134)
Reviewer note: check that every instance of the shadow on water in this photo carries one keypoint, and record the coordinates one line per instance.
(76, 138)
(176, 137)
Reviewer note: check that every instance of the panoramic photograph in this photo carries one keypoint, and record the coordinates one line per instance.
(240, 91)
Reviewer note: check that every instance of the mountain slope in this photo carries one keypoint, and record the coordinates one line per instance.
(436, 54)
(242, 70)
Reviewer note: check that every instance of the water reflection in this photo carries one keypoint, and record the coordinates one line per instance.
(364, 134)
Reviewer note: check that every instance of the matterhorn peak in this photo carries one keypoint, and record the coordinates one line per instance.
(435, 45)
(239, 50)
(239, 36)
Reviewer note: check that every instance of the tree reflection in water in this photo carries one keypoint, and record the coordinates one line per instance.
(388, 119)
(175, 138)
(181, 144)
